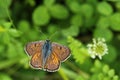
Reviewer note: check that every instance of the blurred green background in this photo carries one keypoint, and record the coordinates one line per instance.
(76, 22)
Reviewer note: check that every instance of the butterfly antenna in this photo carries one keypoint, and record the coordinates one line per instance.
(52, 35)
(43, 34)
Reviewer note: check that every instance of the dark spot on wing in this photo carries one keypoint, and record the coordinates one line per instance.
(35, 45)
(60, 47)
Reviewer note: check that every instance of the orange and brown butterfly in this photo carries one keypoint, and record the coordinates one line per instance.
(47, 55)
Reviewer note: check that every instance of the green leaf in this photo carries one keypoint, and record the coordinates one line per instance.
(105, 69)
(71, 31)
(5, 3)
(31, 2)
(5, 77)
(96, 76)
(32, 35)
(52, 28)
(115, 21)
(104, 8)
(105, 78)
(8, 63)
(24, 25)
(115, 77)
(97, 66)
(93, 2)
(87, 10)
(59, 11)
(2, 29)
(112, 54)
(11, 49)
(89, 23)
(16, 49)
(2, 21)
(7, 25)
(3, 7)
(41, 16)
(80, 78)
(2, 48)
(3, 13)
(75, 7)
(76, 20)
(79, 52)
(14, 32)
(118, 5)
(102, 71)
(49, 3)
(6, 38)
(103, 22)
(71, 74)
(100, 76)
(103, 33)
(111, 73)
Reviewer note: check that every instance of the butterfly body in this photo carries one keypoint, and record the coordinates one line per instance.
(47, 55)
(46, 51)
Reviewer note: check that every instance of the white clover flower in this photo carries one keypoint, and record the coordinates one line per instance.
(97, 48)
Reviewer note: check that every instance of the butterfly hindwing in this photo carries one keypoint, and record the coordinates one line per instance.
(52, 63)
(36, 61)
(61, 51)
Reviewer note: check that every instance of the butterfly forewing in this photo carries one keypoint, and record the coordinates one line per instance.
(61, 51)
(34, 49)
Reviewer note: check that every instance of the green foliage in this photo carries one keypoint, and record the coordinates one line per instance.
(74, 6)
(112, 55)
(41, 16)
(115, 21)
(49, 3)
(4, 77)
(78, 51)
(71, 31)
(87, 10)
(101, 32)
(103, 22)
(3, 5)
(73, 23)
(59, 12)
(105, 8)
(117, 5)
(102, 72)
(7, 32)
(76, 20)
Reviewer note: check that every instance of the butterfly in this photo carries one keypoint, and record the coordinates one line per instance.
(47, 55)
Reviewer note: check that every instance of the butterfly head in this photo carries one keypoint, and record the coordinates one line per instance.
(47, 41)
